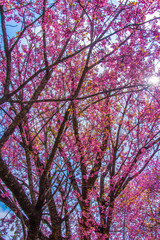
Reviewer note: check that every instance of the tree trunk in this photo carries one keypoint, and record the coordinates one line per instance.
(33, 233)
(109, 220)
(56, 234)
(85, 223)
(34, 225)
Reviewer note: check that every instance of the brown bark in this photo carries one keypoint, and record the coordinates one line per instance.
(34, 225)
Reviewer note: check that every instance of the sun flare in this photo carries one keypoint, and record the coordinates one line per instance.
(153, 80)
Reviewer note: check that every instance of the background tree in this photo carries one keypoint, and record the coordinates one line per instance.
(79, 122)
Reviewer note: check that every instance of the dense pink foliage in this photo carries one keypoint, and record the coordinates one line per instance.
(80, 125)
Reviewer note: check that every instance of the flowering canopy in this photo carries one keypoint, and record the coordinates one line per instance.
(80, 128)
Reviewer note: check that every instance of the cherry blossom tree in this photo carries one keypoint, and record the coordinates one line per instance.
(80, 135)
